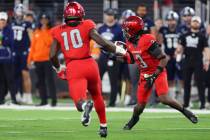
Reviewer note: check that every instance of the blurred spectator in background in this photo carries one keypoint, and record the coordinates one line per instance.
(166, 6)
(130, 71)
(95, 50)
(194, 46)
(186, 15)
(149, 26)
(39, 55)
(158, 24)
(30, 17)
(207, 74)
(208, 33)
(168, 37)
(112, 31)
(126, 14)
(58, 21)
(7, 81)
(22, 32)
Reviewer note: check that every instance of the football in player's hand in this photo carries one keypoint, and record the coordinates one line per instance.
(121, 44)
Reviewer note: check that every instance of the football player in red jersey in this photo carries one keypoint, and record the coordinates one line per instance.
(144, 50)
(81, 72)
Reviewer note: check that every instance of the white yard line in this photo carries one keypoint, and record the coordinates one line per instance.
(174, 129)
(146, 129)
(77, 118)
(116, 109)
(24, 132)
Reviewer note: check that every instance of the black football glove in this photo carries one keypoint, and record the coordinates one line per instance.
(150, 79)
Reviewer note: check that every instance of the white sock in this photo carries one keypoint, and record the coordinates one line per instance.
(172, 92)
(83, 105)
(103, 125)
(117, 99)
(27, 98)
(127, 99)
(18, 97)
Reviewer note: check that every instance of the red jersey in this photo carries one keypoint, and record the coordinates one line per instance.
(74, 41)
(146, 62)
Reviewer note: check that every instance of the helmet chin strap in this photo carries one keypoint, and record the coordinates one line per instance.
(136, 38)
(73, 23)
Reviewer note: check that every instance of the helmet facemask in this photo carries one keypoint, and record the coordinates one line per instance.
(72, 21)
(132, 38)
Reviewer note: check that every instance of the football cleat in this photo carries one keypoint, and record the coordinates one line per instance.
(192, 117)
(103, 132)
(86, 118)
(131, 123)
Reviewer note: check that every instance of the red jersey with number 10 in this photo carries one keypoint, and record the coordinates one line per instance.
(146, 62)
(74, 41)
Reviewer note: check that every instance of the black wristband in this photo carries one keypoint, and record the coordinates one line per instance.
(160, 68)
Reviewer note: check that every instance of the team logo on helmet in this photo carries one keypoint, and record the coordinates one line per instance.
(73, 13)
(188, 11)
(172, 16)
(132, 27)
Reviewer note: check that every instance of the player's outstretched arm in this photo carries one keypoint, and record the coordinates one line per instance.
(60, 69)
(107, 45)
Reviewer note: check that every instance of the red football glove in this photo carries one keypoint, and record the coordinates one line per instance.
(61, 72)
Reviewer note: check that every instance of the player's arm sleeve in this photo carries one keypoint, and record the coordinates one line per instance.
(156, 51)
(153, 47)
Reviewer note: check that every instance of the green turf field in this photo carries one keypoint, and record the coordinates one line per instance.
(65, 125)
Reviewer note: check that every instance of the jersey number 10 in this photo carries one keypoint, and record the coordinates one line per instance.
(75, 37)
